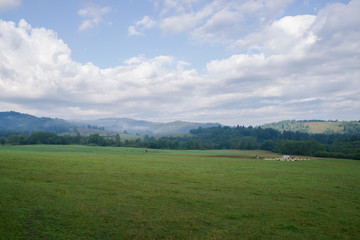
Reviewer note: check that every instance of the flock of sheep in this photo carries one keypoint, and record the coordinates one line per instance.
(287, 159)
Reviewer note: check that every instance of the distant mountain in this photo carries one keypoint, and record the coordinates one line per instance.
(142, 127)
(20, 122)
(316, 126)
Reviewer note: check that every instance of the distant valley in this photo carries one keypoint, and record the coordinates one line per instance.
(20, 122)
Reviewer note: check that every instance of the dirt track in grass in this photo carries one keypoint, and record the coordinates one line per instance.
(219, 156)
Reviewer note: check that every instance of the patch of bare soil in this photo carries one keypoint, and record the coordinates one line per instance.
(220, 156)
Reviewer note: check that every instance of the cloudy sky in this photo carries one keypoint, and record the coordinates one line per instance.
(243, 62)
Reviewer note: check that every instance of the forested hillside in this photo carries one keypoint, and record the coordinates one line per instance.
(316, 126)
(240, 137)
(11, 122)
(338, 139)
(141, 127)
(19, 122)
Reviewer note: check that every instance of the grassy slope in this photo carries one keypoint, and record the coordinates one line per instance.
(321, 127)
(79, 192)
(340, 127)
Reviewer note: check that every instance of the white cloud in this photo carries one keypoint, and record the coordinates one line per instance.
(7, 4)
(92, 16)
(188, 19)
(132, 31)
(36, 67)
(290, 34)
(171, 24)
(304, 67)
(146, 22)
(177, 6)
(140, 26)
(217, 21)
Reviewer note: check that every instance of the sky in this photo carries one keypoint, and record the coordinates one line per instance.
(235, 62)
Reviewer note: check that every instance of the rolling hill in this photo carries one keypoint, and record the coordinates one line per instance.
(141, 127)
(316, 126)
(20, 122)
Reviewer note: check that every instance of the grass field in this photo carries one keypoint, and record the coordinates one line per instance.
(79, 192)
(322, 127)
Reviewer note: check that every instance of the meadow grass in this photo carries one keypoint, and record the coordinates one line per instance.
(321, 127)
(79, 192)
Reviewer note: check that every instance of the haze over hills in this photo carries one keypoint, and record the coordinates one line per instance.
(142, 127)
(19, 122)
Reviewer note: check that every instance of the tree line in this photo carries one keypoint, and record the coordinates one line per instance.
(342, 127)
(221, 137)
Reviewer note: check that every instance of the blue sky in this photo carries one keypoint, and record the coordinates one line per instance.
(229, 61)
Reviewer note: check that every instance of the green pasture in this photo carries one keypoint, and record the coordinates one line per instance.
(321, 127)
(80, 192)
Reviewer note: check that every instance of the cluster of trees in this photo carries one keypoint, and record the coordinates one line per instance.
(240, 137)
(53, 138)
(311, 126)
(15, 121)
(351, 128)
(288, 125)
